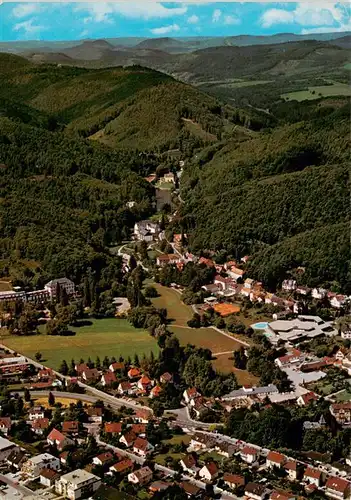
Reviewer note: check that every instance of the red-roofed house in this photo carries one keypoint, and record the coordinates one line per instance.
(125, 388)
(108, 378)
(209, 472)
(338, 488)
(206, 262)
(233, 480)
(70, 427)
(155, 392)
(133, 373)
(291, 468)
(144, 383)
(142, 447)
(306, 399)
(90, 375)
(5, 425)
(48, 477)
(341, 412)
(113, 427)
(128, 439)
(95, 415)
(281, 495)
(189, 464)
(138, 429)
(275, 459)
(190, 394)
(60, 440)
(45, 374)
(82, 367)
(116, 367)
(142, 416)
(166, 378)
(235, 273)
(122, 466)
(249, 454)
(312, 476)
(103, 458)
(40, 425)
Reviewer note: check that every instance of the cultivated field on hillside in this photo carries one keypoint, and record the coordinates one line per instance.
(104, 337)
(318, 92)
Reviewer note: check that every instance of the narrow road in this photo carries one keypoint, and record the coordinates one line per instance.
(23, 490)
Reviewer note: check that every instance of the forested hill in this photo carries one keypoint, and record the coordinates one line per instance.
(281, 196)
(130, 107)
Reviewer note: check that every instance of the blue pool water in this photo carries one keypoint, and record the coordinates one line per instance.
(259, 326)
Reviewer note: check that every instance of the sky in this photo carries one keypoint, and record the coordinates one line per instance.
(73, 21)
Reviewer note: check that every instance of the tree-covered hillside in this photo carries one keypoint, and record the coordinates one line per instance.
(281, 196)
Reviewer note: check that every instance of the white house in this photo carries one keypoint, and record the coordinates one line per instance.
(56, 438)
(275, 459)
(77, 484)
(209, 472)
(235, 273)
(36, 412)
(319, 293)
(142, 447)
(289, 285)
(146, 230)
(35, 464)
(190, 394)
(249, 454)
(48, 477)
(103, 458)
(189, 464)
(141, 476)
(291, 468)
(312, 476)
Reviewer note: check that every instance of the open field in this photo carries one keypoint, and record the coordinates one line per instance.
(108, 493)
(343, 396)
(224, 363)
(5, 286)
(205, 337)
(244, 83)
(63, 401)
(104, 337)
(314, 92)
(169, 298)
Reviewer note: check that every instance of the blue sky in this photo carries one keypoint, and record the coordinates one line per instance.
(71, 21)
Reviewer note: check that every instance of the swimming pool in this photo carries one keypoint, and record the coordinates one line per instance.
(260, 326)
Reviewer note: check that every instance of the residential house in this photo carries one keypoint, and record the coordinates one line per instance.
(306, 399)
(169, 177)
(292, 357)
(189, 464)
(48, 477)
(63, 457)
(108, 378)
(223, 283)
(144, 383)
(303, 290)
(5, 425)
(128, 439)
(116, 367)
(171, 258)
(36, 412)
(275, 459)
(95, 415)
(202, 442)
(77, 484)
(45, 374)
(209, 472)
(235, 273)
(56, 438)
(123, 466)
(81, 368)
(124, 388)
(249, 283)
(338, 488)
(141, 476)
(142, 447)
(113, 428)
(233, 480)
(319, 293)
(338, 301)
(70, 427)
(155, 392)
(138, 429)
(16, 458)
(190, 489)
(166, 378)
(345, 331)
(142, 416)
(133, 373)
(312, 476)
(291, 468)
(91, 375)
(146, 230)
(35, 464)
(158, 486)
(103, 458)
(249, 454)
(255, 491)
(341, 412)
(226, 449)
(40, 425)
(281, 495)
(190, 394)
(289, 285)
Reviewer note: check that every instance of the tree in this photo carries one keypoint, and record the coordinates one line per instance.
(38, 356)
(240, 359)
(51, 399)
(64, 368)
(26, 395)
(150, 292)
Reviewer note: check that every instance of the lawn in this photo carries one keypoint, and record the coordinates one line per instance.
(169, 298)
(224, 364)
(205, 337)
(325, 91)
(104, 337)
(108, 493)
(178, 439)
(161, 458)
(343, 396)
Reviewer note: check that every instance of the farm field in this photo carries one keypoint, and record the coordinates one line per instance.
(247, 83)
(65, 402)
(324, 90)
(104, 337)
(224, 363)
(5, 286)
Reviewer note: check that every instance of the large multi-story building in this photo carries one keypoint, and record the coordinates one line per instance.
(63, 283)
(77, 484)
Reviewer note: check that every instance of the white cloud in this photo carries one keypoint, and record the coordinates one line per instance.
(193, 19)
(331, 15)
(84, 34)
(101, 12)
(28, 29)
(165, 29)
(25, 9)
(327, 29)
(231, 20)
(216, 15)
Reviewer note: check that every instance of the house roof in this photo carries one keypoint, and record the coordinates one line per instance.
(105, 457)
(134, 372)
(144, 380)
(291, 465)
(191, 392)
(189, 488)
(234, 479)
(138, 428)
(142, 413)
(113, 427)
(254, 488)
(81, 368)
(212, 468)
(308, 397)
(94, 412)
(48, 473)
(117, 366)
(130, 437)
(141, 444)
(166, 376)
(16, 457)
(109, 377)
(91, 373)
(341, 406)
(143, 472)
(123, 465)
(70, 426)
(249, 450)
(40, 423)
(155, 391)
(280, 495)
(313, 473)
(5, 422)
(189, 461)
(338, 484)
(125, 386)
(159, 486)
(274, 456)
(56, 435)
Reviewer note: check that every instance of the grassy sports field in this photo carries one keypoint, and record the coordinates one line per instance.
(104, 337)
